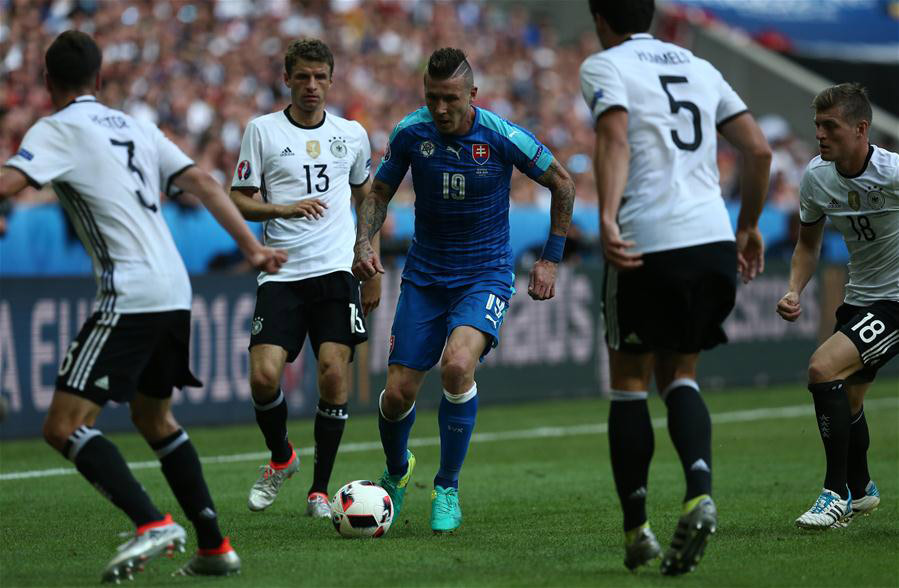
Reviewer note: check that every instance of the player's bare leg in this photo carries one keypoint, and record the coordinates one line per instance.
(690, 427)
(396, 415)
(182, 470)
(834, 361)
(266, 366)
(69, 429)
(631, 445)
(330, 421)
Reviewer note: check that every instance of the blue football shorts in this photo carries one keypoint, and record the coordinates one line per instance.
(426, 315)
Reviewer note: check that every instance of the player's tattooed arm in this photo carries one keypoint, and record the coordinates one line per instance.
(561, 186)
(370, 217)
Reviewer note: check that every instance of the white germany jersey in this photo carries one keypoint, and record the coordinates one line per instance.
(288, 162)
(674, 102)
(865, 209)
(107, 169)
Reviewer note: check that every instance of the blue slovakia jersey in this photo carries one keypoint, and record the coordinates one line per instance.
(461, 185)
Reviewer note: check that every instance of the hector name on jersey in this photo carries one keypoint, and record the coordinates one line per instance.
(461, 185)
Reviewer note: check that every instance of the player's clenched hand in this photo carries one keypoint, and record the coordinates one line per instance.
(615, 249)
(312, 208)
(371, 294)
(788, 307)
(542, 285)
(267, 259)
(365, 261)
(750, 253)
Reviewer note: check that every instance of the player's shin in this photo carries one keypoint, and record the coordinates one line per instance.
(395, 437)
(182, 470)
(631, 445)
(832, 412)
(100, 462)
(272, 420)
(456, 417)
(330, 421)
(690, 427)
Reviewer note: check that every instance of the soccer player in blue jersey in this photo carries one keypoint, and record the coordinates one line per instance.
(458, 277)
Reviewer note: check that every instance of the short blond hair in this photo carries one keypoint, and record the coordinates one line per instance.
(851, 98)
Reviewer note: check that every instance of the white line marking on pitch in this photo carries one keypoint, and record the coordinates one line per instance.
(739, 416)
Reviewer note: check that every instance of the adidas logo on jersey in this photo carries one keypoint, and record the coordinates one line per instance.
(286, 152)
(633, 339)
(833, 204)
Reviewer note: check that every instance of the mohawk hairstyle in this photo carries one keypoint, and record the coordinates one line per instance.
(450, 63)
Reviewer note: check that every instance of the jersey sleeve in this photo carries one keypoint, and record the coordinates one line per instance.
(528, 154)
(602, 86)
(43, 155)
(395, 162)
(172, 161)
(361, 168)
(730, 104)
(810, 212)
(248, 172)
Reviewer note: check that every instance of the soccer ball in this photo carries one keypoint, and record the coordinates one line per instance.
(361, 509)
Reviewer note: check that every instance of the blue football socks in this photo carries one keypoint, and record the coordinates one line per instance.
(456, 418)
(395, 438)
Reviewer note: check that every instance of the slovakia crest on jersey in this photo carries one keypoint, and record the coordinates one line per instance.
(243, 170)
(480, 152)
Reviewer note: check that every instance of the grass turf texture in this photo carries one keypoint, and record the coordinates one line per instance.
(538, 511)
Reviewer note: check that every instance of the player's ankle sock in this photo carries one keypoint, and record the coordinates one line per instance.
(456, 418)
(395, 438)
(857, 462)
(330, 420)
(181, 468)
(631, 443)
(832, 411)
(272, 420)
(100, 462)
(690, 428)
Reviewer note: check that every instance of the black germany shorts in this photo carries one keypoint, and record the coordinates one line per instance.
(116, 355)
(874, 330)
(676, 301)
(328, 308)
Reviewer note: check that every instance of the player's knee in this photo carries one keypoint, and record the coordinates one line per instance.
(331, 377)
(56, 433)
(264, 382)
(454, 371)
(819, 371)
(154, 426)
(397, 399)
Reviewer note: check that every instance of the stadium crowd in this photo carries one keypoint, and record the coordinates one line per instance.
(201, 70)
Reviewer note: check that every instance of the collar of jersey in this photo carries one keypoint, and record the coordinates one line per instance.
(83, 98)
(864, 167)
(639, 37)
(296, 124)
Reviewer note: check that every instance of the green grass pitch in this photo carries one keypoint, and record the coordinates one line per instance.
(539, 503)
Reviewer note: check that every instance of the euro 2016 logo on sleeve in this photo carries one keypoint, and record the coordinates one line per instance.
(480, 152)
(243, 170)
